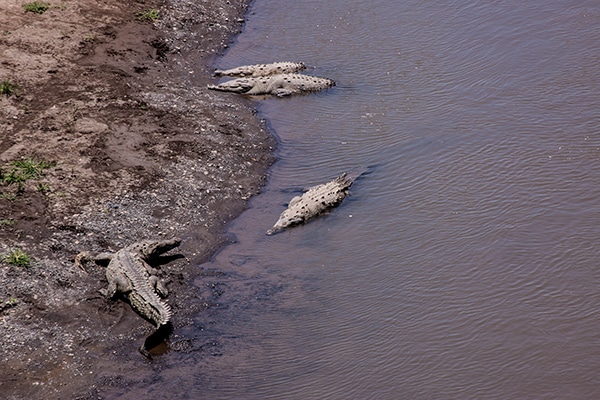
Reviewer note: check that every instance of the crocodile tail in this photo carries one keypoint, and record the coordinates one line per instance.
(144, 299)
(347, 178)
(354, 173)
(151, 307)
(164, 315)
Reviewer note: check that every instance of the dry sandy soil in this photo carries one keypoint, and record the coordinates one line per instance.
(138, 149)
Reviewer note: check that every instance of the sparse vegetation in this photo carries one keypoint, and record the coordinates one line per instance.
(150, 14)
(10, 303)
(37, 7)
(43, 188)
(13, 177)
(8, 88)
(7, 222)
(22, 170)
(18, 258)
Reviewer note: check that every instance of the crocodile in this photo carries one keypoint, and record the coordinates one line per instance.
(278, 85)
(285, 67)
(130, 274)
(315, 201)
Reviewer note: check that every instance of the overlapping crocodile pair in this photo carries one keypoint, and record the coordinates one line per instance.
(277, 79)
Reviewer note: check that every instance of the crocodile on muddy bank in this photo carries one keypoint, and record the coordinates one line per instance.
(130, 274)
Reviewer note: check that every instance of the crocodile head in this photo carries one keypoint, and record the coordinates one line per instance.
(154, 248)
(287, 218)
(240, 85)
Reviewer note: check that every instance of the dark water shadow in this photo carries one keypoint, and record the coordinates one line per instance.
(157, 343)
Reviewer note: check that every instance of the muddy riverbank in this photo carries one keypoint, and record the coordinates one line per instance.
(115, 103)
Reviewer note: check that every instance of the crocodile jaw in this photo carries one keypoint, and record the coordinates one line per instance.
(151, 249)
(240, 85)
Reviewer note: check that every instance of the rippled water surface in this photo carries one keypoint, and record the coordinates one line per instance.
(466, 263)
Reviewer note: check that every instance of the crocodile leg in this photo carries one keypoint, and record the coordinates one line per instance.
(110, 291)
(103, 257)
(85, 256)
(159, 286)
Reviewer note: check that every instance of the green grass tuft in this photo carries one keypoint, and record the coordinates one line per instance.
(150, 14)
(12, 302)
(18, 258)
(43, 188)
(21, 171)
(8, 88)
(29, 168)
(37, 7)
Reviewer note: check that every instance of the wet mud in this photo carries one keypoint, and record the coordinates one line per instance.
(139, 149)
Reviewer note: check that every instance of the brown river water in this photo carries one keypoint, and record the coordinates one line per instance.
(466, 263)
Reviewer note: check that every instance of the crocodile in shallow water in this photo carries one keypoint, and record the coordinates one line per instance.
(315, 201)
(277, 85)
(285, 67)
(130, 274)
